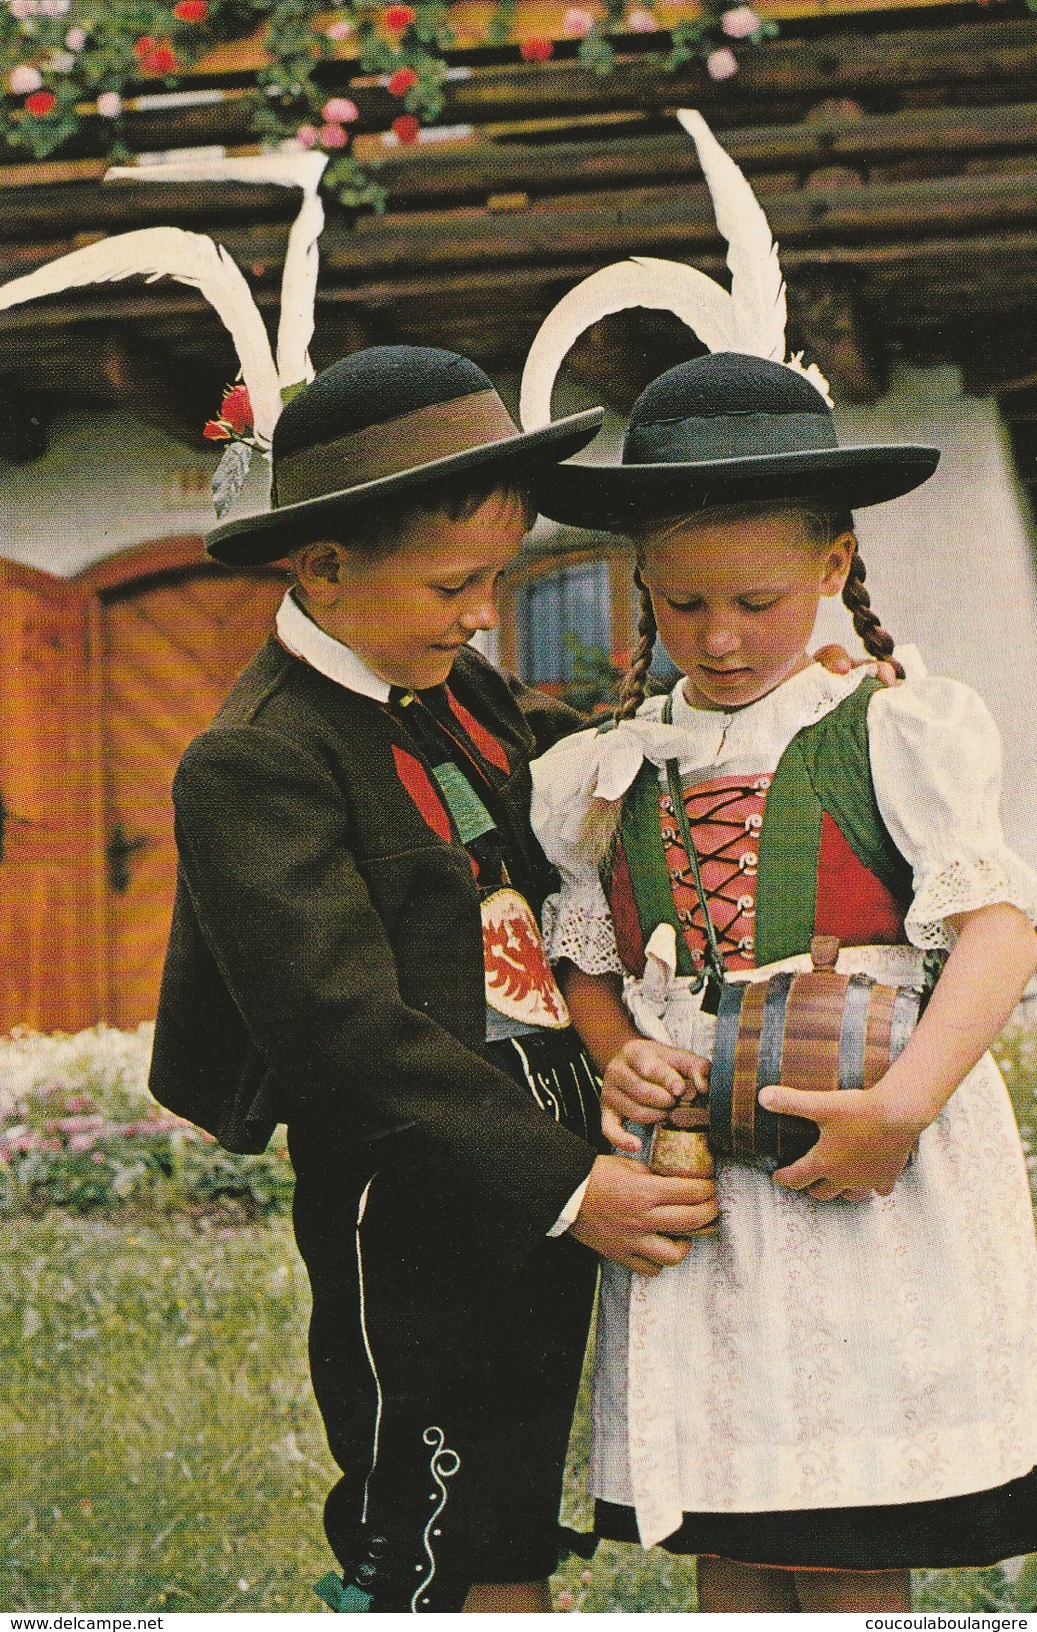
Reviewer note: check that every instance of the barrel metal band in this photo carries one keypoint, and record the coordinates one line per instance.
(853, 1031)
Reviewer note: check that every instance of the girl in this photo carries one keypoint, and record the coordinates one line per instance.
(838, 1384)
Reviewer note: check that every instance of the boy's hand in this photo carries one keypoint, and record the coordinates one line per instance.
(642, 1082)
(837, 660)
(639, 1219)
(862, 1147)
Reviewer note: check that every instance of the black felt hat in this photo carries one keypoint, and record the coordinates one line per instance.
(378, 424)
(727, 428)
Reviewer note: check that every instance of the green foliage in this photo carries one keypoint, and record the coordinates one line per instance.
(93, 50)
(87, 1136)
(595, 679)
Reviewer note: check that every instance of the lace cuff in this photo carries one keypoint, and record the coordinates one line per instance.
(578, 926)
(965, 885)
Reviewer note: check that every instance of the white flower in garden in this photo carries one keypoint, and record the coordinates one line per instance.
(55, 8)
(340, 30)
(109, 104)
(22, 10)
(740, 23)
(61, 62)
(24, 79)
(75, 39)
(577, 22)
(641, 21)
(721, 64)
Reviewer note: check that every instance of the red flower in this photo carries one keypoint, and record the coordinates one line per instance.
(40, 103)
(191, 11)
(236, 409)
(536, 49)
(401, 81)
(143, 47)
(162, 60)
(406, 128)
(398, 18)
(215, 432)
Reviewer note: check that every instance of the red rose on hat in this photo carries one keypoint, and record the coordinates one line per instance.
(236, 408)
(215, 432)
(406, 128)
(401, 81)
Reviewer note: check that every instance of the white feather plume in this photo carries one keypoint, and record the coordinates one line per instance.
(751, 318)
(757, 286)
(299, 276)
(643, 281)
(190, 258)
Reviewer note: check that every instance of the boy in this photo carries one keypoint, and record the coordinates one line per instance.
(355, 951)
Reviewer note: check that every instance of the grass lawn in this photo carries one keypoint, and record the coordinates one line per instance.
(160, 1448)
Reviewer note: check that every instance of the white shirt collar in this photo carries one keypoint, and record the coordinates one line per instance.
(305, 639)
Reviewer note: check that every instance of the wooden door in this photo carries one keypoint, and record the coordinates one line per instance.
(172, 642)
(51, 885)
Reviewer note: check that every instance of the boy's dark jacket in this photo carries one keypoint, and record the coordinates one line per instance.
(324, 964)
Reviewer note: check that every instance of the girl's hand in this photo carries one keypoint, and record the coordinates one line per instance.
(864, 1146)
(642, 1082)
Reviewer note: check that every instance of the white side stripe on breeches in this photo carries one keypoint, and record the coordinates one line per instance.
(367, 1346)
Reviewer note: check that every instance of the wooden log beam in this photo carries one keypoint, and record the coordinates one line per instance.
(611, 225)
(937, 136)
(43, 213)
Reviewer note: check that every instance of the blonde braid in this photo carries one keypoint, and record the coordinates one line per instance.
(635, 681)
(875, 640)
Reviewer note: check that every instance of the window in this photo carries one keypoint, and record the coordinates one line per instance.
(573, 602)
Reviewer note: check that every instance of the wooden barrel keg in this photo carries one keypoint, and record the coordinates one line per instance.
(819, 1031)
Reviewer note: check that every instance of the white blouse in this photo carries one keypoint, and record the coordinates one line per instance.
(936, 766)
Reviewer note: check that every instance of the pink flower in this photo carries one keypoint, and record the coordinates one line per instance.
(721, 64)
(98, 1157)
(82, 1141)
(641, 21)
(22, 10)
(577, 22)
(306, 135)
(341, 30)
(332, 137)
(740, 23)
(55, 8)
(339, 110)
(109, 104)
(75, 39)
(565, 1599)
(24, 79)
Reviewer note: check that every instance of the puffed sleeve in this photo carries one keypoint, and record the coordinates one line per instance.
(577, 923)
(936, 765)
